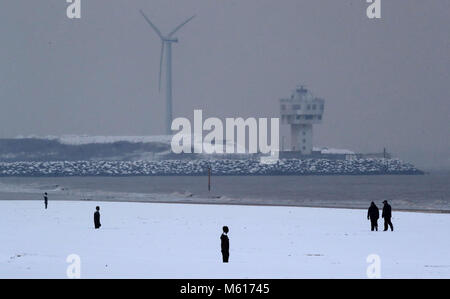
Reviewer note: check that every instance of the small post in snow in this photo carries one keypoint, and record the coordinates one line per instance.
(209, 179)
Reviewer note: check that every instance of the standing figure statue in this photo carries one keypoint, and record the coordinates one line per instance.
(45, 200)
(225, 244)
(97, 218)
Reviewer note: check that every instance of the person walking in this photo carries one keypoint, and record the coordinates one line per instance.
(373, 214)
(387, 215)
(97, 218)
(225, 244)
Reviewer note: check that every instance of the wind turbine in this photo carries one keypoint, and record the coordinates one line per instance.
(166, 43)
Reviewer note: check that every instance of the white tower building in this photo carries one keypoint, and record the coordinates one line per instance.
(298, 114)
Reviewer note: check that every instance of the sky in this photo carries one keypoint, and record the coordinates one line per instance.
(386, 82)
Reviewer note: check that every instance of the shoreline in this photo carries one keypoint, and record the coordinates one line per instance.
(205, 174)
(199, 202)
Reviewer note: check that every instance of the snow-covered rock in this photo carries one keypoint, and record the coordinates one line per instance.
(200, 167)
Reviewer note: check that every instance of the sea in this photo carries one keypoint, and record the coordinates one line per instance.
(429, 192)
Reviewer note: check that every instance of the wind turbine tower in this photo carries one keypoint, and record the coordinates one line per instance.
(166, 44)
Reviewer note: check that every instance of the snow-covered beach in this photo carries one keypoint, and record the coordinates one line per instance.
(150, 240)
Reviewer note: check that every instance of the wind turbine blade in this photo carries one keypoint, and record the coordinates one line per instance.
(160, 64)
(151, 24)
(181, 25)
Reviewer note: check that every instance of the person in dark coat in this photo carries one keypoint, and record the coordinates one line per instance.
(45, 200)
(387, 215)
(373, 214)
(225, 244)
(97, 218)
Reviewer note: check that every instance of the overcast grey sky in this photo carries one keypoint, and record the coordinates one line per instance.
(386, 82)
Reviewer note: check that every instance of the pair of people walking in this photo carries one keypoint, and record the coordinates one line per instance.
(374, 214)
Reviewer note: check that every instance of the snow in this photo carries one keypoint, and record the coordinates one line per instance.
(229, 146)
(200, 167)
(86, 139)
(335, 151)
(147, 240)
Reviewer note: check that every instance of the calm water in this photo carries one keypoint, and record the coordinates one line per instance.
(405, 192)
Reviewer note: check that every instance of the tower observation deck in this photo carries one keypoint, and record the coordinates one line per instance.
(298, 115)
